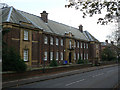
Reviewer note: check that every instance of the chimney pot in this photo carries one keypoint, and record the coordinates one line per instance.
(81, 28)
(106, 41)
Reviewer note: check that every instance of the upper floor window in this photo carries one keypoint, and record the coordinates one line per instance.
(78, 44)
(61, 55)
(70, 43)
(75, 44)
(87, 45)
(51, 40)
(56, 55)
(81, 44)
(84, 45)
(25, 55)
(51, 55)
(56, 41)
(45, 56)
(25, 35)
(61, 42)
(45, 40)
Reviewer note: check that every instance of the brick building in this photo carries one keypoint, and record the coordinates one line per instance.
(39, 39)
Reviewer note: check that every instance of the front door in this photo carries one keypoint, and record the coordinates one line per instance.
(70, 57)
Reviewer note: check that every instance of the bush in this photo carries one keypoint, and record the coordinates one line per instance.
(85, 61)
(80, 61)
(53, 63)
(12, 61)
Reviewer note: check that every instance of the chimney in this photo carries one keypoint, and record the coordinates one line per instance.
(112, 42)
(106, 41)
(44, 16)
(81, 28)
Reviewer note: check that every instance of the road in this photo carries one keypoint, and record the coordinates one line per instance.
(101, 78)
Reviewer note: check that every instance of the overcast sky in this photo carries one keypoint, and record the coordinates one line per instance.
(58, 12)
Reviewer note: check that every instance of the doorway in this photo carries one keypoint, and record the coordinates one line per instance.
(70, 54)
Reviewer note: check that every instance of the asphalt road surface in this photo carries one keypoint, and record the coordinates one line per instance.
(102, 78)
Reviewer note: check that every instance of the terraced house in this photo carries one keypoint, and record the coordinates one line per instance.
(39, 39)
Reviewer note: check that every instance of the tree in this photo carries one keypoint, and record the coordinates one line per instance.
(91, 7)
(108, 55)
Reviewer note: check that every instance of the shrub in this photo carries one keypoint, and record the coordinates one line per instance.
(12, 61)
(80, 61)
(53, 63)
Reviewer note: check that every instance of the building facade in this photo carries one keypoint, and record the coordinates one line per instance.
(40, 40)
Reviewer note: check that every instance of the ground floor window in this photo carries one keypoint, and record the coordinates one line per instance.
(74, 56)
(81, 56)
(56, 55)
(84, 56)
(51, 55)
(61, 55)
(45, 56)
(87, 56)
(25, 55)
(78, 56)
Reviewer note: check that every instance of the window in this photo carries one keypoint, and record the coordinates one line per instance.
(84, 56)
(70, 44)
(87, 56)
(81, 56)
(51, 55)
(78, 56)
(56, 55)
(45, 56)
(74, 56)
(51, 40)
(25, 35)
(74, 44)
(87, 45)
(61, 42)
(61, 55)
(81, 44)
(25, 55)
(84, 45)
(78, 44)
(45, 40)
(56, 41)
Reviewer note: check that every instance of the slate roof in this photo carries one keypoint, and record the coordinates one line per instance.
(13, 15)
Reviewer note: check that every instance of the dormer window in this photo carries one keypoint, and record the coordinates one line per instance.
(25, 35)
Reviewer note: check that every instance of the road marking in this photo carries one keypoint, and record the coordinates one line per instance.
(75, 82)
(98, 75)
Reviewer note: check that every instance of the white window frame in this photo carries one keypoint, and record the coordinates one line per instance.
(57, 55)
(78, 44)
(61, 55)
(45, 56)
(26, 55)
(51, 40)
(74, 56)
(25, 35)
(57, 41)
(45, 40)
(81, 44)
(61, 42)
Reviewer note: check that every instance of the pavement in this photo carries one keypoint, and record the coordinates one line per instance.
(53, 76)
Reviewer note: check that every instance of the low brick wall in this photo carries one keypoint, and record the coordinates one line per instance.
(39, 72)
